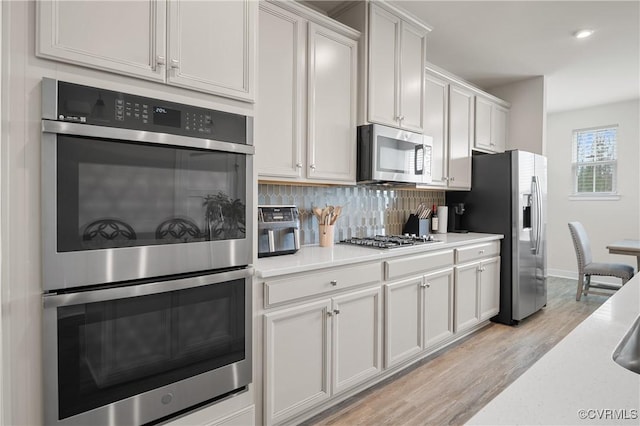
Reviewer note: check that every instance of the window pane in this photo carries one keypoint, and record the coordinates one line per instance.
(585, 179)
(604, 178)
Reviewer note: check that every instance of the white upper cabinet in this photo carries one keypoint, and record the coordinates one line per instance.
(491, 126)
(205, 46)
(305, 128)
(412, 60)
(392, 63)
(436, 125)
(212, 46)
(384, 42)
(483, 124)
(396, 70)
(461, 120)
(331, 105)
(278, 125)
(84, 33)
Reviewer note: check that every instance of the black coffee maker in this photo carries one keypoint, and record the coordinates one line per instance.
(456, 211)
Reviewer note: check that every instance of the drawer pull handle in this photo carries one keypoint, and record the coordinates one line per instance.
(334, 283)
(481, 252)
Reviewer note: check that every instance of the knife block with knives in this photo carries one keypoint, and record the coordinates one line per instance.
(418, 222)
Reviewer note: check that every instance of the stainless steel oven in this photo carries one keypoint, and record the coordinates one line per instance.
(134, 187)
(128, 355)
(146, 254)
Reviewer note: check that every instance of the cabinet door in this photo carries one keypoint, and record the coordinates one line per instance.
(212, 46)
(331, 105)
(83, 33)
(489, 288)
(384, 34)
(483, 137)
(466, 296)
(412, 62)
(460, 137)
(280, 96)
(403, 320)
(296, 359)
(499, 128)
(435, 125)
(357, 338)
(438, 307)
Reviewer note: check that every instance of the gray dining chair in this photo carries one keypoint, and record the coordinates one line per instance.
(587, 268)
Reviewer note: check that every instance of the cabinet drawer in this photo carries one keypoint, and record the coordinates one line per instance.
(477, 251)
(417, 264)
(313, 284)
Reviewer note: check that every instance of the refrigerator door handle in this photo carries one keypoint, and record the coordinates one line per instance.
(534, 211)
(538, 222)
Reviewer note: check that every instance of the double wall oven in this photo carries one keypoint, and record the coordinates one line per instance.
(146, 254)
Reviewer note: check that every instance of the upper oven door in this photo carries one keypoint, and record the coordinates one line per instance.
(122, 204)
(400, 156)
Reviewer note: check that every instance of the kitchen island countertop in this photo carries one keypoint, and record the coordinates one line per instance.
(577, 382)
(314, 257)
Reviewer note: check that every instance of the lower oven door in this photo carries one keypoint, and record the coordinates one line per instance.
(134, 354)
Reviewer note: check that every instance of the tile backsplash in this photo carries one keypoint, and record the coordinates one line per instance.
(367, 210)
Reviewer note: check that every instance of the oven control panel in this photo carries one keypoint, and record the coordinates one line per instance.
(91, 105)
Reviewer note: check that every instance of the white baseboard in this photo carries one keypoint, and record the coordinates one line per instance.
(573, 275)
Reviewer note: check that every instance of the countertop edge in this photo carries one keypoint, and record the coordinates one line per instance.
(313, 258)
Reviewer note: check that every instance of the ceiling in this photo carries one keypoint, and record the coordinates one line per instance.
(491, 43)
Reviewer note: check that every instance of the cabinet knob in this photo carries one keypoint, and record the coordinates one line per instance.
(452, 179)
(480, 251)
(336, 311)
(312, 167)
(428, 285)
(329, 314)
(334, 283)
(175, 63)
(299, 165)
(161, 60)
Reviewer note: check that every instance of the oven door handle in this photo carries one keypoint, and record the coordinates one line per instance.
(103, 132)
(68, 299)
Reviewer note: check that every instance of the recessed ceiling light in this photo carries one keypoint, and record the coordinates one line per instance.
(583, 33)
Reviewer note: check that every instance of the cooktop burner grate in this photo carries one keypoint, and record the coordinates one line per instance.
(390, 241)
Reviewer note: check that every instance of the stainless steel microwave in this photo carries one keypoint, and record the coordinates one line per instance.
(389, 155)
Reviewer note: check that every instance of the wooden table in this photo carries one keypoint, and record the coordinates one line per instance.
(628, 247)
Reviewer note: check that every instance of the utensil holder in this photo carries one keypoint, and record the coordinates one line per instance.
(326, 235)
(414, 225)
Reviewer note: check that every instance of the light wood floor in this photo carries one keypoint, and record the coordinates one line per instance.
(452, 387)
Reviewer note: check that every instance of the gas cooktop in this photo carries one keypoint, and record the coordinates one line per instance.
(391, 241)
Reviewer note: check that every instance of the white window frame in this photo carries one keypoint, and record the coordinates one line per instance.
(592, 196)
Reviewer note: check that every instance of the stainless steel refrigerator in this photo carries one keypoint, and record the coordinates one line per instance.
(509, 197)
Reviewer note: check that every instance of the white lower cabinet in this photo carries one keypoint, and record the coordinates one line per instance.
(438, 307)
(477, 292)
(319, 349)
(418, 314)
(489, 288)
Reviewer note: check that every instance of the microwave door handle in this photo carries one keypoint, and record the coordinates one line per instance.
(418, 154)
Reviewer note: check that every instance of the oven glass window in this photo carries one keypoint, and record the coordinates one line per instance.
(108, 351)
(398, 156)
(113, 194)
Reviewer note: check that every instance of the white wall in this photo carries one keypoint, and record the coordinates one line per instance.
(527, 116)
(605, 221)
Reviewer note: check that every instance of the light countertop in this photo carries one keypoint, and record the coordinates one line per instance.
(310, 258)
(577, 374)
